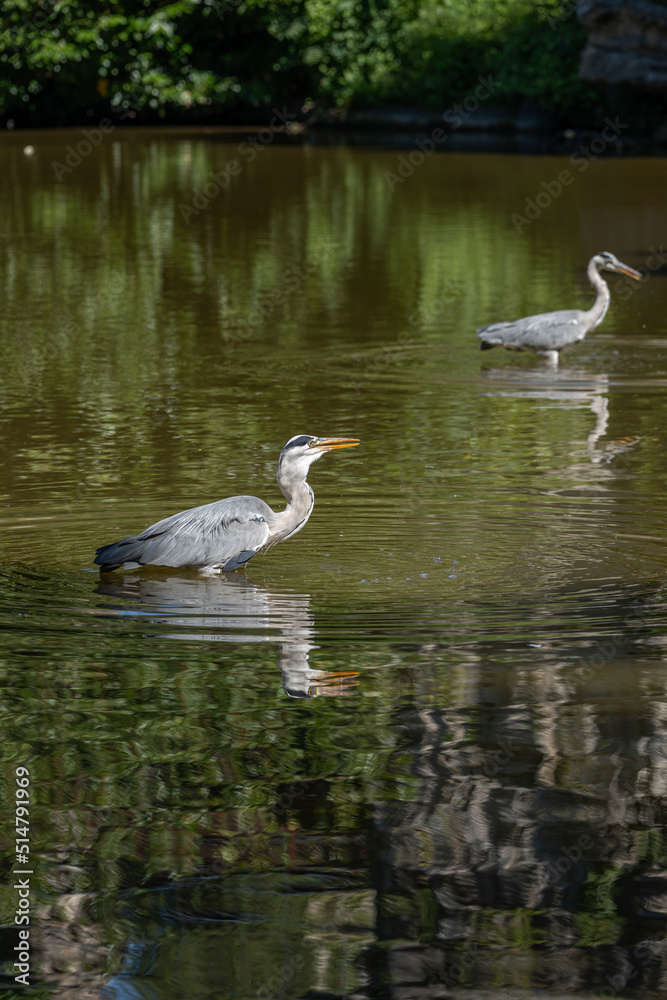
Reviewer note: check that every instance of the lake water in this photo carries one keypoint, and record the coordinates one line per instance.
(418, 749)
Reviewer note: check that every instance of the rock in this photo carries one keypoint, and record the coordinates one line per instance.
(627, 43)
(393, 118)
(533, 118)
(487, 120)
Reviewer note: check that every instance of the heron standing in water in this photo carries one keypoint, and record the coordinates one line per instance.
(226, 534)
(548, 333)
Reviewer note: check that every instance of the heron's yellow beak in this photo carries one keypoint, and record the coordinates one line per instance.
(331, 444)
(332, 684)
(628, 271)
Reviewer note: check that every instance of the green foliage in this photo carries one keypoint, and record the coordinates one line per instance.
(62, 60)
(540, 58)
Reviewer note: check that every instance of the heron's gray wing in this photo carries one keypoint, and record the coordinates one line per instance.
(543, 332)
(226, 533)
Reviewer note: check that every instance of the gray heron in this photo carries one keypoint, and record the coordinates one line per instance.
(548, 333)
(226, 534)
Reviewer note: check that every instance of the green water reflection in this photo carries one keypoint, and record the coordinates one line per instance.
(418, 746)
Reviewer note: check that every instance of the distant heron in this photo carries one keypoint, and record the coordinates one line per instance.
(549, 333)
(226, 534)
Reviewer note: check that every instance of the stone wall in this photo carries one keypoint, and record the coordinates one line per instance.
(627, 43)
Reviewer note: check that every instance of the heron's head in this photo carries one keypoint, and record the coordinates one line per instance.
(301, 451)
(607, 262)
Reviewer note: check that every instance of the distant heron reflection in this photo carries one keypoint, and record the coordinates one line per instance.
(568, 387)
(231, 610)
(548, 333)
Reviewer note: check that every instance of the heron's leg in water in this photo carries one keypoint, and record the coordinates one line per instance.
(550, 356)
(600, 407)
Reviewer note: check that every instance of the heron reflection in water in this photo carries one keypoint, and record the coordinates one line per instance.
(229, 609)
(566, 387)
(226, 534)
(548, 333)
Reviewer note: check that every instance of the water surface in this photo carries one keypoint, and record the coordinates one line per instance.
(418, 747)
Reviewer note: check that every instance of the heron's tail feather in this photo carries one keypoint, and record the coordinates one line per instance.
(110, 557)
(489, 336)
(239, 560)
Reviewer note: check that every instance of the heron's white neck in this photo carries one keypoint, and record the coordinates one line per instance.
(300, 501)
(598, 310)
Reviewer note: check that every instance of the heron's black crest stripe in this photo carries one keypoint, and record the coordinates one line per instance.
(298, 442)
